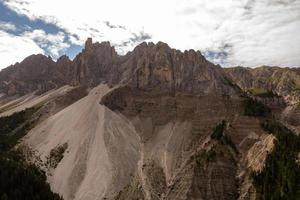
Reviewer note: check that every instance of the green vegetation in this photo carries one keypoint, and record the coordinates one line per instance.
(132, 191)
(227, 81)
(260, 92)
(257, 91)
(296, 89)
(255, 108)
(217, 151)
(56, 155)
(206, 156)
(9, 123)
(222, 146)
(219, 130)
(18, 179)
(280, 179)
(155, 177)
(14, 127)
(219, 135)
(9, 106)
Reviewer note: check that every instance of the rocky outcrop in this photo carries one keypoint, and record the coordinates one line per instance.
(268, 81)
(40, 73)
(256, 156)
(149, 66)
(158, 69)
(33, 73)
(278, 88)
(175, 132)
(150, 129)
(155, 67)
(94, 63)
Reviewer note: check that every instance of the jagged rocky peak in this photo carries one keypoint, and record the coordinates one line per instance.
(94, 63)
(160, 69)
(31, 67)
(164, 48)
(102, 47)
(63, 58)
(62, 72)
(88, 43)
(31, 74)
(64, 63)
(156, 68)
(36, 64)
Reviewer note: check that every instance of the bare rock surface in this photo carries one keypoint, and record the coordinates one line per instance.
(155, 67)
(102, 148)
(141, 125)
(284, 82)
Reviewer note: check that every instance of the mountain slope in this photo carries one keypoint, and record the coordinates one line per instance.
(156, 123)
(107, 151)
(101, 145)
(274, 86)
(284, 82)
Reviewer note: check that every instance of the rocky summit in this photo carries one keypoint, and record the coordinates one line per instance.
(154, 124)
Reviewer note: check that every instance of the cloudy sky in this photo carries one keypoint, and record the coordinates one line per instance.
(228, 32)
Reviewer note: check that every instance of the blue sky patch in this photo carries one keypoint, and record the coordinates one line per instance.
(23, 24)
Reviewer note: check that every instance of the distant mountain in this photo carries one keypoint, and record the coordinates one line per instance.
(281, 81)
(154, 124)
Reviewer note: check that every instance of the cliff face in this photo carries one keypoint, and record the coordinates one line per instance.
(31, 74)
(157, 123)
(154, 67)
(40, 73)
(284, 82)
(162, 70)
(94, 63)
(279, 88)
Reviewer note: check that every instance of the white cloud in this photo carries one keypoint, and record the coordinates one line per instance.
(256, 32)
(14, 48)
(53, 43)
(7, 26)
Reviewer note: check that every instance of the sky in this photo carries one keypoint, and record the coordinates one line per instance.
(246, 33)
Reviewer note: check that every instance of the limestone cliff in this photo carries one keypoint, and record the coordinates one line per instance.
(154, 124)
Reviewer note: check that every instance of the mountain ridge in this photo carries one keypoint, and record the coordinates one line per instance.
(96, 63)
(156, 124)
(99, 62)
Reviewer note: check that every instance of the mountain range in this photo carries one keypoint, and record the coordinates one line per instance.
(155, 124)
